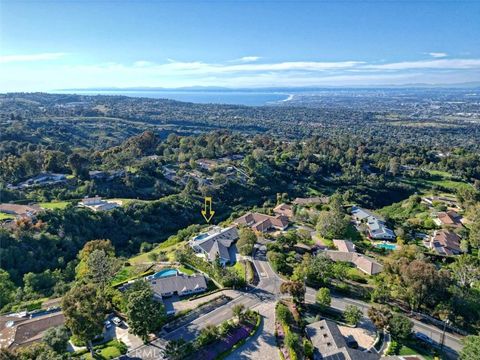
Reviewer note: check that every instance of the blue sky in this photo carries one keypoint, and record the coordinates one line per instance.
(52, 44)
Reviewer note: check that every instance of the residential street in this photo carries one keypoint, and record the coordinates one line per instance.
(263, 299)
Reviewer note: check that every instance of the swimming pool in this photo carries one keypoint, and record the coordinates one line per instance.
(201, 236)
(165, 273)
(386, 246)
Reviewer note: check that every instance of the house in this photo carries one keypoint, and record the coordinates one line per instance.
(177, 284)
(98, 204)
(445, 242)
(311, 200)
(20, 211)
(263, 223)
(284, 209)
(215, 243)
(346, 252)
(329, 343)
(376, 227)
(449, 218)
(207, 164)
(41, 179)
(19, 330)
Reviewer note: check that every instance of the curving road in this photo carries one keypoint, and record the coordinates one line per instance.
(263, 298)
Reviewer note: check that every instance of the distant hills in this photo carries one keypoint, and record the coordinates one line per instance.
(465, 85)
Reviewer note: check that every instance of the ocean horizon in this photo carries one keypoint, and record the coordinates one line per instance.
(199, 97)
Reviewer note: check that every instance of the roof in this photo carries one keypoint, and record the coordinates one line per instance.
(330, 344)
(17, 209)
(217, 242)
(284, 209)
(344, 245)
(178, 283)
(362, 262)
(449, 218)
(262, 222)
(446, 242)
(24, 331)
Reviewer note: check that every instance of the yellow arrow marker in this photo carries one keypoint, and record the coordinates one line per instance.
(207, 211)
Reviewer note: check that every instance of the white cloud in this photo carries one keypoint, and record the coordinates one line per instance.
(247, 59)
(429, 64)
(30, 57)
(437, 54)
(18, 75)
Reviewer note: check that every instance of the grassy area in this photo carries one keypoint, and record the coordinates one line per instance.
(4, 216)
(240, 269)
(411, 349)
(167, 247)
(326, 242)
(54, 204)
(442, 179)
(110, 350)
(186, 270)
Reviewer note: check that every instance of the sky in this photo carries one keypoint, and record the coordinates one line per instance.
(48, 45)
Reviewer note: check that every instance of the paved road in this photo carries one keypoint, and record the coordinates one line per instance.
(263, 298)
(453, 343)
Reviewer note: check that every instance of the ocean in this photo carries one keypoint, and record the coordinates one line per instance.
(201, 97)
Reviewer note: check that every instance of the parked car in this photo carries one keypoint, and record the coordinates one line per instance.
(117, 321)
(422, 337)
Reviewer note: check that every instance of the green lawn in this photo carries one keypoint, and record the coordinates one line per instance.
(240, 269)
(186, 270)
(4, 216)
(54, 204)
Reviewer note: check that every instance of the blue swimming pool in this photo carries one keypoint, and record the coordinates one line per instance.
(201, 236)
(165, 273)
(386, 246)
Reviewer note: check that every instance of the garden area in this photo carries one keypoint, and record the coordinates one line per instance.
(218, 342)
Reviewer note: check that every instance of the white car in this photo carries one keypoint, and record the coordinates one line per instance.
(117, 321)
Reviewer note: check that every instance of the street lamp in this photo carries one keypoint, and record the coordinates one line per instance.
(445, 324)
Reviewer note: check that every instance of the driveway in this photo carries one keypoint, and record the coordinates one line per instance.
(262, 345)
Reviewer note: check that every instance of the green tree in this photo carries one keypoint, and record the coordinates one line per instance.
(283, 314)
(323, 297)
(57, 338)
(84, 308)
(352, 314)
(332, 224)
(246, 241)
(7, 288)
(237, 311)
(145, 315)
(380, 316)
(177, 350)
(101, 268)
(207, 335)
(296, 289)
(400, 327)
(471, 348)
